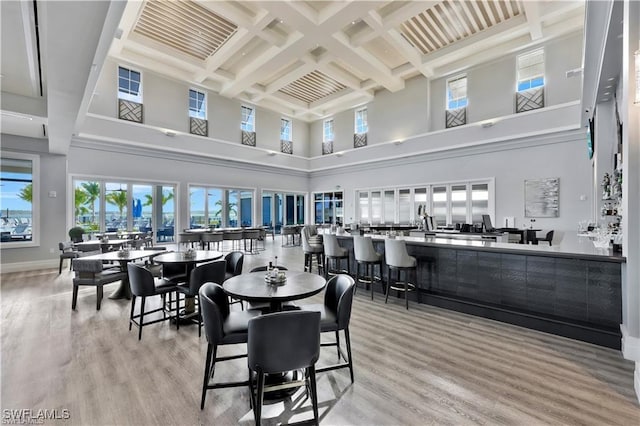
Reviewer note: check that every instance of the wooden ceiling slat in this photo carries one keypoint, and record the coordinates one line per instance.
(450, 15)
(421, 38)
(187, 24)
(496, 11)
(184, 26)
(488, 14)
(171, 43)
(168, 29)
(484, 14)
(477, 15)
(423, 20)
(438, 27)
(462, 17)
(312, 87)
(180, 41)
(469, 14)
(502, 7)
(514, 10)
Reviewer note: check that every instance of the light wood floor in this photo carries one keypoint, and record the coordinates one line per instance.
(424, 366)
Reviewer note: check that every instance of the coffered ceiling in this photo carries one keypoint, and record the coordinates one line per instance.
(310, 59)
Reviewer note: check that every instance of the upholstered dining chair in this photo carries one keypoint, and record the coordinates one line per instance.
(235, 261)
(335, 315)
(67, 252)
(221, 327)
(144, 285)
(207, 272)
(281, 342)
(91, 272)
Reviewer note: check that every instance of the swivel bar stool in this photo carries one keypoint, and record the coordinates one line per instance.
(333, 251)
(398, 259)
(367, 256)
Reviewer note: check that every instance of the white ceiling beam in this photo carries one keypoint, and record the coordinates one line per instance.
(364, 61)
(132, 11)
(230, 48)
(393, 20)
(28, 25)
(303, 69)
(532, 13)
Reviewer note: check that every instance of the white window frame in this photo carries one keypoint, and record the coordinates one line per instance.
(202, 113)
(35, 200)
(128, 96)
(250, 124)
(328, 122)
(364, 128)
(286, 136)
(529, 79)
(458, 99)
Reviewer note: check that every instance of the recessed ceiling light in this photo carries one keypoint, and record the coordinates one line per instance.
(282, 21)
(608, 87)
(244, 53)
(611, 79)
(353, 22)
(607, 93)
(605, 99)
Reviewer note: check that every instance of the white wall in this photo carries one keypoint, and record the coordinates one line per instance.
(491, 87)
(563, 156)
(52, 210)
(166, 104)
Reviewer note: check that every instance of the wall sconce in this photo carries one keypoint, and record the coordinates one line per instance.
(271, 153)
(339, 154)
(398, 142)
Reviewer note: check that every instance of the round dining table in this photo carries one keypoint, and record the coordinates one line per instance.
(253, 287)
(190, 261)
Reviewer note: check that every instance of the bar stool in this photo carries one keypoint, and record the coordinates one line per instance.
(398, 259)
(366, 255)
(286, 232)
(310, 249)
(211, 237)
(251, 235)
(333, 251)
(234, 237)
(188, 238)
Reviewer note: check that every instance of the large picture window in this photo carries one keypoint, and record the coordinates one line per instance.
(361, 123)
(457, 92)
(531, 70)
(19, 200)
(211, 207)
(248, 123)
(107, 206)
(197, 104)
(448, 204)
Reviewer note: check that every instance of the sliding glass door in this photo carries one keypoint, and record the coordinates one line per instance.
(280, 209)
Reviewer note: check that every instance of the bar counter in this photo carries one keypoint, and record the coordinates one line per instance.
(571, 289)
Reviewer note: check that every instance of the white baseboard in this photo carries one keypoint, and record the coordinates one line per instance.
(30, 266)
(630, 345)
(636, 381)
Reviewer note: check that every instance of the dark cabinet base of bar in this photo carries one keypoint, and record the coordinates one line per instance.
(568, 295)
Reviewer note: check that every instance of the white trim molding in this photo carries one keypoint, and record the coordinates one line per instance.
(29, 266)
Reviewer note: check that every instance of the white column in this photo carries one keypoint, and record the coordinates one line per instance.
(630, 115)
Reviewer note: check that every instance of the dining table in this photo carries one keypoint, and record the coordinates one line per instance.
(253, 287)
(189, 259)
(122, 257)
(105, 245)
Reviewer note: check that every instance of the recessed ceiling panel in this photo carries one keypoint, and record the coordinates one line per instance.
(454, 20)
(185, 26)
(313, 87)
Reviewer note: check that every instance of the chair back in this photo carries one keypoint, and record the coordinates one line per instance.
(234, 260)
(331, 246)
(75, 234)
(212, 237)
(87, 265)
(207, 272)
(396, 254)
(283, 341)
(264, 268)
(311, 241)
(253, 234)
(141, 281)
(65, 246)
(363, 249)
(338, 298)
(549, 236)
(214, 305)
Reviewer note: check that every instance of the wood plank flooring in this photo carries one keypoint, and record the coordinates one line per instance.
(422, 366)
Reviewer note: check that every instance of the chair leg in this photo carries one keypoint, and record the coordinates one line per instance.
(388, 284)
(141, 317)
(177, 311)
(338, 343)
(370, 270)
(60, 268)
(199, 318)
(406, 288)
(99, 297)
(257, 406)
(133, 304)
(347, 337)
(207, 368)
(74, 299)
(314, 392)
